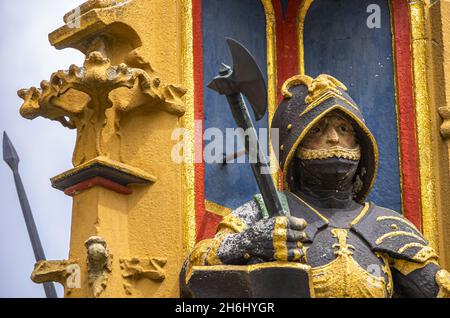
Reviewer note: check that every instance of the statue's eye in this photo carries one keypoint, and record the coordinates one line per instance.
(345, 129)
(315, 130)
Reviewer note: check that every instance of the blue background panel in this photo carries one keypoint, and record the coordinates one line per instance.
(229, 185)
(337, 41)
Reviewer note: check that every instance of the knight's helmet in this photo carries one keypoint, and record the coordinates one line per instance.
(305, 102)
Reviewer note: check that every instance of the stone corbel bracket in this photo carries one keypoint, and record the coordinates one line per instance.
(135, 268)
(65, 272)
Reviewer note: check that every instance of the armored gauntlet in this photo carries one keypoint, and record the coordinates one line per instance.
(278, 238)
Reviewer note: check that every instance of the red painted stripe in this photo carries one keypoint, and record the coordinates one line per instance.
(97, 181)
(286, 39)
(408, 144)
(200, 219)
(286, 48)
(209, 226)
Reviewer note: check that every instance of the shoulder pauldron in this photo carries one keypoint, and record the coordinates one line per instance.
(389, 232)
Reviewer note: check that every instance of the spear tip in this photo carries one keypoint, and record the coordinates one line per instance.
(9, 153)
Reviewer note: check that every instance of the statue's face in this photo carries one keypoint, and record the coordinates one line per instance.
(332, 130)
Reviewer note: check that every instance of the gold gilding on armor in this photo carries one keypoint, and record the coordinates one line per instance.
(311, 208)
(327, 95)
(407, 267)
(361, 214)
(297, 255)
(217, 209)
(344, 277)
(425, 254)
(387, 271)
(293, 81)
(395, 234)
(198, 256)
(232, 223)
(317, 87)
(396, 218)
(335, 151)
(322, 84)
(408, 246)
(279, 239)
(443, 281)
(211, 257)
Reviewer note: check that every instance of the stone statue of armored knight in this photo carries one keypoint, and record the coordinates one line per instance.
(329, 161)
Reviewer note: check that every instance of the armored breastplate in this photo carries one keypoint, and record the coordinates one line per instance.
(343, 264)
(344, 277)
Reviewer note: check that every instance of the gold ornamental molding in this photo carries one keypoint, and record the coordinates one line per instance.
(271, 77)
(423, 123)
(188, 122)
(303, 10)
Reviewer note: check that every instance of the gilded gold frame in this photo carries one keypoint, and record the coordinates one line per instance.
(188, 122)
(423, 123)
(271, 74)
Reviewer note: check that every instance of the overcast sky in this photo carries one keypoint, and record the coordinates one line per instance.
(44, 147)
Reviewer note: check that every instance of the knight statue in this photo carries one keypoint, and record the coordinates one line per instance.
(329, 159)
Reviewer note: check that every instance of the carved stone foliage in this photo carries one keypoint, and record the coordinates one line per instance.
(80, 98)
(137, 268)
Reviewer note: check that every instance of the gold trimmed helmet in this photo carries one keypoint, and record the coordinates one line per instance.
(306, 101)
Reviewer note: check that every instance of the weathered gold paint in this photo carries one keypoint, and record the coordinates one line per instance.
(438, 62)
(188, 122)
(423, 123)
(271, 78)
(279, 239)
(338, 278)
(217, 209)
(303, 10)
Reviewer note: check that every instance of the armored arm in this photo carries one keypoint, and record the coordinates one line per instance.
(211, 251)
(414, 265)
(244, 234)
(422, 280)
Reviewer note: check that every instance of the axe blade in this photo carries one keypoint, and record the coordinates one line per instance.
(248, 78)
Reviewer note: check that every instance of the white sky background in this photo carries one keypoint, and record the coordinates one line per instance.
(44, 147)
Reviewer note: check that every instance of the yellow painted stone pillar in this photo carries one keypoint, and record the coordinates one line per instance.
(438, 23)
(132, 222)
(430, 22)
